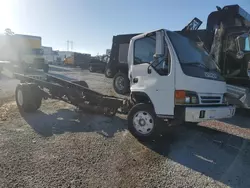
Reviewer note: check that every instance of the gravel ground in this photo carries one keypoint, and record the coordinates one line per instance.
(57, 147)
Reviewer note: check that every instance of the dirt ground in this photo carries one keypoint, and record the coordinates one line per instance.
(58, 147)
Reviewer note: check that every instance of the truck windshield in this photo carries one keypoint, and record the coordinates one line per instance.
(190, 54)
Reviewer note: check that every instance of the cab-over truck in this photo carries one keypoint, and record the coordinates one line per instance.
(162, 86)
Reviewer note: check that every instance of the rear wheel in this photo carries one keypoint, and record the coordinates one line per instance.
(121, 83)
(143, 122)
(28, 97)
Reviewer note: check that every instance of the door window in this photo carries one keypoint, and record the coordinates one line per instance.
(144, 50)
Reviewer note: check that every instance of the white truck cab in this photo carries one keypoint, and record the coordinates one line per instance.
(172, 78)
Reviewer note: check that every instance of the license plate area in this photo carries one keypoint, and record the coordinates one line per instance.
(210, 114)
(202, 114)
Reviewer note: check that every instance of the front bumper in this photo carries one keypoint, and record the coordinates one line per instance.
(202, 113)
(199, 114)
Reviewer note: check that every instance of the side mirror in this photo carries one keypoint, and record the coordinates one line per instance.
(159, 50)
(149, 70)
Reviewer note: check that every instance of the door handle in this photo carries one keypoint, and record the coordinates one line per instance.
(135, 80)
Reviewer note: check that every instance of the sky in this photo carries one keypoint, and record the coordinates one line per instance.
(90, 24)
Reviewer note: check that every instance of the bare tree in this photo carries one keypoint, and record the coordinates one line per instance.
(8, 31)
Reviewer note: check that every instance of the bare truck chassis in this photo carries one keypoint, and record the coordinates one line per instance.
(31, 91)
(141, 115)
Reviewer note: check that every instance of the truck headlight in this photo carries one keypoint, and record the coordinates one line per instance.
(186, 97)
(187, 100)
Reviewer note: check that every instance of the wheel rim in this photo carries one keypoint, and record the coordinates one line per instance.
(119, 83)
(91, 69)
(20, 97)
(143, 122)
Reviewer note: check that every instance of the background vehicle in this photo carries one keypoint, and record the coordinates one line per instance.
(2, 64)
(28, 52)
(77, 59)
(117, 66)
(98, 63)
(227, 39)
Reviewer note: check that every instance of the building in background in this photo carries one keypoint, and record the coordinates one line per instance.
(48, 54)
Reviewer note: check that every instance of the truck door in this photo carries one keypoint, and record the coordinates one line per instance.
(152, 76)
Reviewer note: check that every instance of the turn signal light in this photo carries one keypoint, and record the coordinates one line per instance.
(185, 97)
(180, 94)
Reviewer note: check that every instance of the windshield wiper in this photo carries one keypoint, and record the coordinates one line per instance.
(197, 64)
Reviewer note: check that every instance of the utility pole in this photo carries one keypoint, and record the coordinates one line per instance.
(67, 45)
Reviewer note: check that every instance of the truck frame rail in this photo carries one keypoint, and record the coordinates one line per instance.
(76, 93)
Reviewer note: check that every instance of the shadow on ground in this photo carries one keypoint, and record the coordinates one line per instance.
(221, 156)
(218, 155)
(66, 120)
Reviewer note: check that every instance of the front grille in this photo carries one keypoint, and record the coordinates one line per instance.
(210, 99)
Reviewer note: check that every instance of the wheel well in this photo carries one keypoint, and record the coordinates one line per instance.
(140, 97)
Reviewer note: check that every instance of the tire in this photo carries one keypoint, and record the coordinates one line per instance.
(28, 97)
(138, 126)
(82, 83)
(46, 68)
(108, 73)
(121, 83)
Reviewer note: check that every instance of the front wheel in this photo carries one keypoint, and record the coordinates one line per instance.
(143, 122)
(121, 83)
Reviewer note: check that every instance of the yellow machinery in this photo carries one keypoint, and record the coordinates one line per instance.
(69, 60)
(77, 59)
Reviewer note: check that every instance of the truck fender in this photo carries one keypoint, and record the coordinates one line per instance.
(141, 97)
